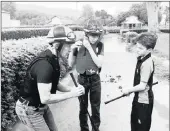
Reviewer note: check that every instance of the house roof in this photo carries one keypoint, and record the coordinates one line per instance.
(64, 21)
(132, 20)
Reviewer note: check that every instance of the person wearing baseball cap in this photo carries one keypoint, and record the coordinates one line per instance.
(42, 81)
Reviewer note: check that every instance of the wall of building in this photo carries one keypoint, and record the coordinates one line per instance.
(6, 22)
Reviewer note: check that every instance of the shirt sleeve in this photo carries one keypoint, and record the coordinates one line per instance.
(145, 72)
(43, 71)
(102, 49)
(75, 52)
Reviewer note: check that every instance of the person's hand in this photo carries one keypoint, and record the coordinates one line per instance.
(76, 45)
(125, 92)
(78, 91)
(86, 43)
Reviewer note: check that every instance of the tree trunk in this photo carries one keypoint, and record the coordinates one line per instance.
(152, 11)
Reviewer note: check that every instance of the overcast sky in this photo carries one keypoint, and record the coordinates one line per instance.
(111, 7)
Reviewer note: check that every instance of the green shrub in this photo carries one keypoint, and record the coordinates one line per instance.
(113, 30)
(136, 30)
(16, 56)
(130, 36)
(23, 33)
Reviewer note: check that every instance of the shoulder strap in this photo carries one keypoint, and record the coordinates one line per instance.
(99, 46)
(153, 66)
(40, 58)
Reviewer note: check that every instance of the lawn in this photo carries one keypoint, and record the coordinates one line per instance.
(162, 44)
(161, 58)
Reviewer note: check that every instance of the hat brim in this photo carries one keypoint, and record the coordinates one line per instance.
(52, 39)
(93, 32)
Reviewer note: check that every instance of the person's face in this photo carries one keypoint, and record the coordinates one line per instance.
(65, 50)
(141, 50)
(93, 38)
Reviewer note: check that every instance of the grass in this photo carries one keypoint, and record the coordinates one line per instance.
(162, 45)
(161, 53)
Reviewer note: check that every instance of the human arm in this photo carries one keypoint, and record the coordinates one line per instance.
(140, 87)
(63, 88)
(44, 84)
(73, 53)
(145, 73)
(47, 98)
(98, 59)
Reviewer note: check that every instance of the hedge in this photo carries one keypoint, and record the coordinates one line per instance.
(135, 30)
(22, 33)
(113, 30)
(16, 55)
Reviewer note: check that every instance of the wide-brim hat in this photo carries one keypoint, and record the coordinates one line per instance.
(61, 33)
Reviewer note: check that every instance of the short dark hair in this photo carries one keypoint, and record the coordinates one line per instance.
(147, 39)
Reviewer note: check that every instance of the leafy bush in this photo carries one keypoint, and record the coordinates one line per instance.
(136, 30)
(22, 33)
(113, 30)
(29, 32)
(130, 36)
(16, 56)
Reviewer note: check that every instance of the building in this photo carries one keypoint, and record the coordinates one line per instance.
(7, 21)
(131, 22)
(54, 21)
(59, 21)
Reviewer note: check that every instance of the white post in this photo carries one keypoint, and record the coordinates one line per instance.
(152, 10)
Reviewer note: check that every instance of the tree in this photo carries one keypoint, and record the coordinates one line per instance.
(152, 11)
(9, 7)
(104, 16)
(97, 13)
(166, 12)
(87, 11)
(138, 10)
(32, 18)
(122, 17)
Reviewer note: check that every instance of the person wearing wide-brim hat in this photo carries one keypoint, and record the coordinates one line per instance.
(42, 81)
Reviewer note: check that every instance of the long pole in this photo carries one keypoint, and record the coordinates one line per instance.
(82, 100)
(106, 102)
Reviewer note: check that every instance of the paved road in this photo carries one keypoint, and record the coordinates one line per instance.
(116, 115)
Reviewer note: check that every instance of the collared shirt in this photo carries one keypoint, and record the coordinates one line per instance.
(143, 74)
